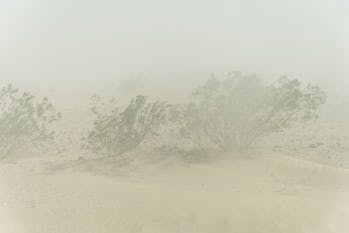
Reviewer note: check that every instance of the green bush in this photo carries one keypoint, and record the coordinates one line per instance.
(24, 120)
(233, 113)
(229, 114)
(116, 131)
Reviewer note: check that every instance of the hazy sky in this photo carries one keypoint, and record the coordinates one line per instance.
(72, 45)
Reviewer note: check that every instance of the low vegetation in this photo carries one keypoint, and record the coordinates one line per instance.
(225, 115)
(24, 120)
(116, 130)
(228, 114)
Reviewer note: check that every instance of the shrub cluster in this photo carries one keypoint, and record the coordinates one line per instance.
(229, 114)
(222, 114)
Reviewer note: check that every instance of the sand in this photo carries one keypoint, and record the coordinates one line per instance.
(263, 192)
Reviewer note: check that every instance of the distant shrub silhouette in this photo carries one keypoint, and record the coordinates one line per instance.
(116, 131)
(130, 84)
(233, 113)
(24, 120)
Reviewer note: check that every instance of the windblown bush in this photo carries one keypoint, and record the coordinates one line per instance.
(233, 113)
(24, 120)
(229, 114)
(116, 131)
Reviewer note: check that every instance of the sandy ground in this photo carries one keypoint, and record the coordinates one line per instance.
(268, 192)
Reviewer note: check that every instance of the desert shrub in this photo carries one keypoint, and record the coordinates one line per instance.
(229, 114)
(116, 131)
(24, 120)
(233, 113)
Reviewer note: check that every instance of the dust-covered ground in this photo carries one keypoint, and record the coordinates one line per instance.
(297, 182)
(259, 192)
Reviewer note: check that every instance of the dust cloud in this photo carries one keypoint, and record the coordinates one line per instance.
(295, 180)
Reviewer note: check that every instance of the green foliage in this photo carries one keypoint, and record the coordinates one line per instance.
(24, 120)
(115, 132)
(233, 113)
(228, 114)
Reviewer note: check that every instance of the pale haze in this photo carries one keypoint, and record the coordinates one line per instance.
(76, 46)
(129, 116)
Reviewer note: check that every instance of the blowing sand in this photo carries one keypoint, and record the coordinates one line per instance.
(262, 193)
